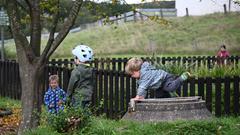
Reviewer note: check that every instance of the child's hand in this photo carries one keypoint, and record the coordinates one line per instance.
(132, 103)
(60, 102)
(51, 105)
(138, 98)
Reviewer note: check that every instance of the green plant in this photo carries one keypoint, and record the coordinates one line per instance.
(9, 103)
(69, 119)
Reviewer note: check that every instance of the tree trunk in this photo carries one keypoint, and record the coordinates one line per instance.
(31, 63)
(31, 75)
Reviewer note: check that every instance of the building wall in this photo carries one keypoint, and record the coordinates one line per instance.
(203, 7)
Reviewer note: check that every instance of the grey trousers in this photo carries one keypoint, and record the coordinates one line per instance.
(171, 84)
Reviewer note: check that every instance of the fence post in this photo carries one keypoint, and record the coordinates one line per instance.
(125, 17)
(122, 91)
(236, 95)
(236, 60)
(225, 8)
(161, 13)
(108, 63)
(141, 16)
(192, 86)
(201, 87)
(116, 108)
(134, 16)
(208, 62)
(127, 90)
(163, 60)
(66, 77)
(96, 61)
(113, 64)
(102, 63)
(133, 87)
(209, 93)
(111, 94)
(106, 84)
(120, 60)
(187, 12)
(218, 95)
(19, 86)
(95, 102)
(185, 89)
(227, 95)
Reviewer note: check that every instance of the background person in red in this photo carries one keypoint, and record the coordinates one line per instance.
(222, 55)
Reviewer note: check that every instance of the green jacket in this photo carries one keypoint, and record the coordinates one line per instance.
(81, 83)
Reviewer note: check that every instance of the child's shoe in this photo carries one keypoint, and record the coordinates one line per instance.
(185, 75)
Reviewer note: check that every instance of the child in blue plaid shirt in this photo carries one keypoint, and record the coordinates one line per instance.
(54, 97)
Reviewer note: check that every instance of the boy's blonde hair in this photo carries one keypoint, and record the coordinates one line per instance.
(53, 77)
(133, 64)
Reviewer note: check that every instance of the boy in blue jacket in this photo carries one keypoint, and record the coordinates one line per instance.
(54, 97)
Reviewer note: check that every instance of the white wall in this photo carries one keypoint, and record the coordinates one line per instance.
(202, 7)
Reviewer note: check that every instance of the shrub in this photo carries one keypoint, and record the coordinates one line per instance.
(69, 119)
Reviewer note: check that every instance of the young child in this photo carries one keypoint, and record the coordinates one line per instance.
(81, 83)
(54, 97)
(151, 78)
(222, 55)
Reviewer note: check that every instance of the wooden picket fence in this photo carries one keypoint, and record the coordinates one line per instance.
(114, 89)
(119, 63)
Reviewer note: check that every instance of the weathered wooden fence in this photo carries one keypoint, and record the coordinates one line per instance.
(119, 63)
(114, 89)
(10, 85)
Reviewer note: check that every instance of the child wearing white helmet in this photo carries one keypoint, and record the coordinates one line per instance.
(81, 83)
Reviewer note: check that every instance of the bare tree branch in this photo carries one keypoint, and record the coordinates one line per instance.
(66, 27)
(24, 7)
(52, 32)
(28, 3)
(20, 39)
(35, 40)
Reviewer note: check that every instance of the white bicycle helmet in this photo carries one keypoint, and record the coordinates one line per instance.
(83, 53)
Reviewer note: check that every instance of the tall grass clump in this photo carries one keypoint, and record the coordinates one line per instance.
(199, 70)
(216, 71)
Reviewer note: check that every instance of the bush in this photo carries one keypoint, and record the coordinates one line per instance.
(69, 119)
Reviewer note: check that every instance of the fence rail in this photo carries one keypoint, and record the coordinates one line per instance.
(114, 89)
(119, 63)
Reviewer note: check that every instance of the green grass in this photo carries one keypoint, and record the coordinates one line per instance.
(200, 35)
(9, 103)
(101, 126)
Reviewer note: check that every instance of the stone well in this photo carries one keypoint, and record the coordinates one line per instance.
(169, 109)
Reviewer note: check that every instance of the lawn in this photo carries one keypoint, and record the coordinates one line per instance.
(103, 126)
(201, 35)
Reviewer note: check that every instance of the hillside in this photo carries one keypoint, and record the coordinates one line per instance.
(183, 36)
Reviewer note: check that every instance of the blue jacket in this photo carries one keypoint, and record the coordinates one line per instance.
(150, 78)
(52, 97)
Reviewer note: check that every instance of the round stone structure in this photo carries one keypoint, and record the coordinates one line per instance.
(168, 109)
